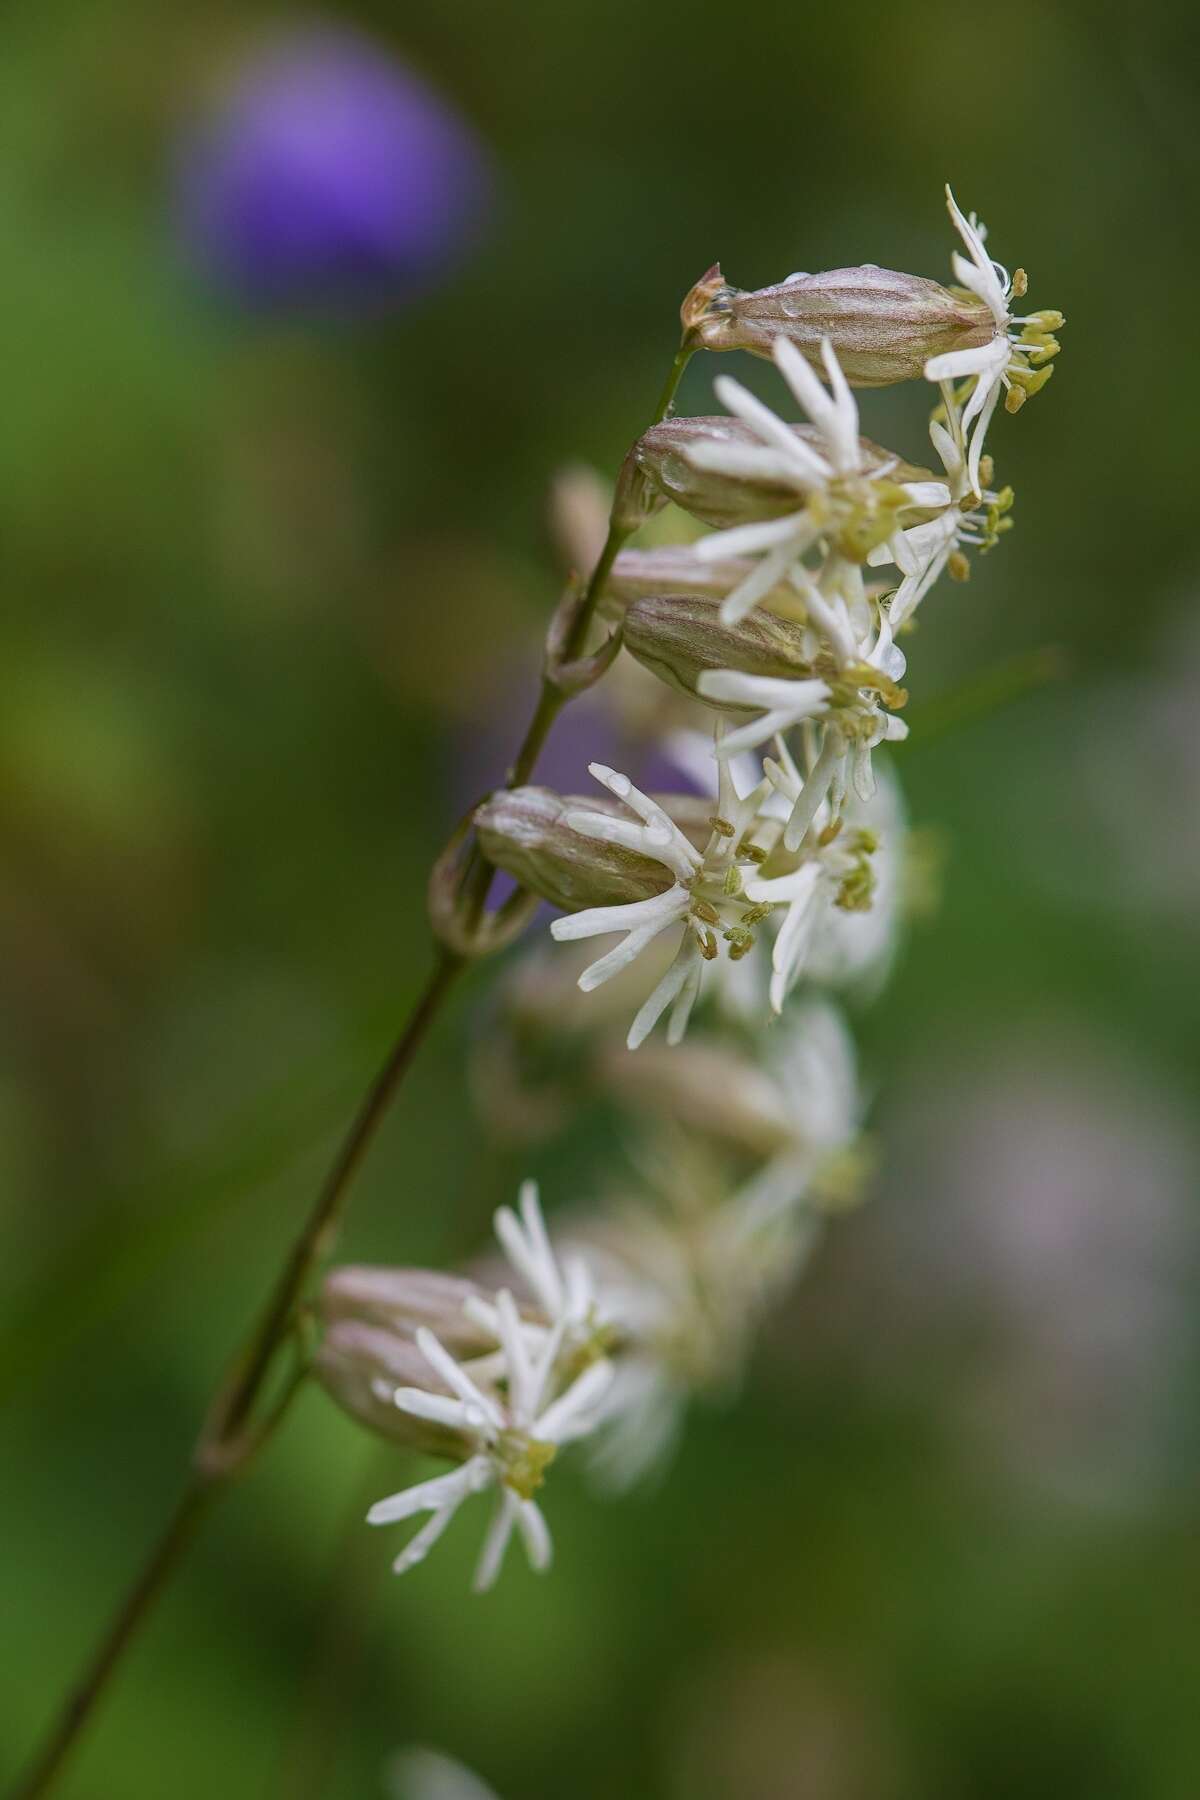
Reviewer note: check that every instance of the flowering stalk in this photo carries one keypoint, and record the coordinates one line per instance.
(780, 623)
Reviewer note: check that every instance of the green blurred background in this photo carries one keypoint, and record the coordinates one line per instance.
(265, 576)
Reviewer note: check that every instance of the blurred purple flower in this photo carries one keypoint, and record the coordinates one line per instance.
(330, 174)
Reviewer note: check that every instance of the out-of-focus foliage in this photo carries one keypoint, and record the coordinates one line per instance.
(268, 581)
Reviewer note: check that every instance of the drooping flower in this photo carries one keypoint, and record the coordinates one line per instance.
(508, 1440)
(844, 499)
(850, 714)
(688, 1273)
(1018, 359)
(705, 896)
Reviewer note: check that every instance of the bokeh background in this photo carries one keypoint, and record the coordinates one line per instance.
(272, 531)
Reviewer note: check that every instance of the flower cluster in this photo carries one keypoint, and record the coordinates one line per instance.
(784, 621)
(650, 1301)
(773, 875)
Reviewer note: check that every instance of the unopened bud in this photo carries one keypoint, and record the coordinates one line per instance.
(883, 325)
(704, 301)
(578, 516)
(524, 831)
(669, 569)
(665, 458)
(360, 1367)
(403, 1300)
(706, 1087)
(680, 637)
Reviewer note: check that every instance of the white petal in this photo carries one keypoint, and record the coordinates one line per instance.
(816, 787)
(441, 1408)
(453, 1375)
(738, 688)
(952, 365)
(749, 540)
(535, 1535)
(429, 1496)
(659, 911)
(565, 1419)
(761, 579)
(516, 1356)
(683, 970)
(770, 428)
(496, 1541)
(792, 944)
(419, 1546)
(987, 284)
(754, 462)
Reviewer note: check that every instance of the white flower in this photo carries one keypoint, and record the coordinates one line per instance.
(836, 870)
(814, 1068)
(1013, 359)
(510, 1439)
(705, 895)
(565, 1292)
(428, 1775)
(852, 722)
(854, 947)
(688, 1283)
(923, 551)
(836, 472)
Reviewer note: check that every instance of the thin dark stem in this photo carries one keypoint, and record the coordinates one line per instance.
(551, 700)
(230, 1435)
(245, 1381)
(160, 1565)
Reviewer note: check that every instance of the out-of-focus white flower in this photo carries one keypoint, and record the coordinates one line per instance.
(687, 1280)
(422, 1774)
(853, 947)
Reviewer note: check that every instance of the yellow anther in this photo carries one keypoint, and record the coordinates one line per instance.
(1014, 400)
(701, 909)
(733, 880)
(722, 827)
(957, 566)
(752, 852)
(830, 832)
(1020, 284)
(987, 470)
(708, 946)
(523, 1461)
(756, 914)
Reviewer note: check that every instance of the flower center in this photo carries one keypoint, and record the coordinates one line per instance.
(522, 1461)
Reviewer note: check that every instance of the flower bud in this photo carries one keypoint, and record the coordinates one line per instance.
(669, 569)
(883, 325)
(663, 457)
(679, 637)
(705, 1086)
(402, 1300)
(360, 1367)
(524, 831)
(577, 516)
